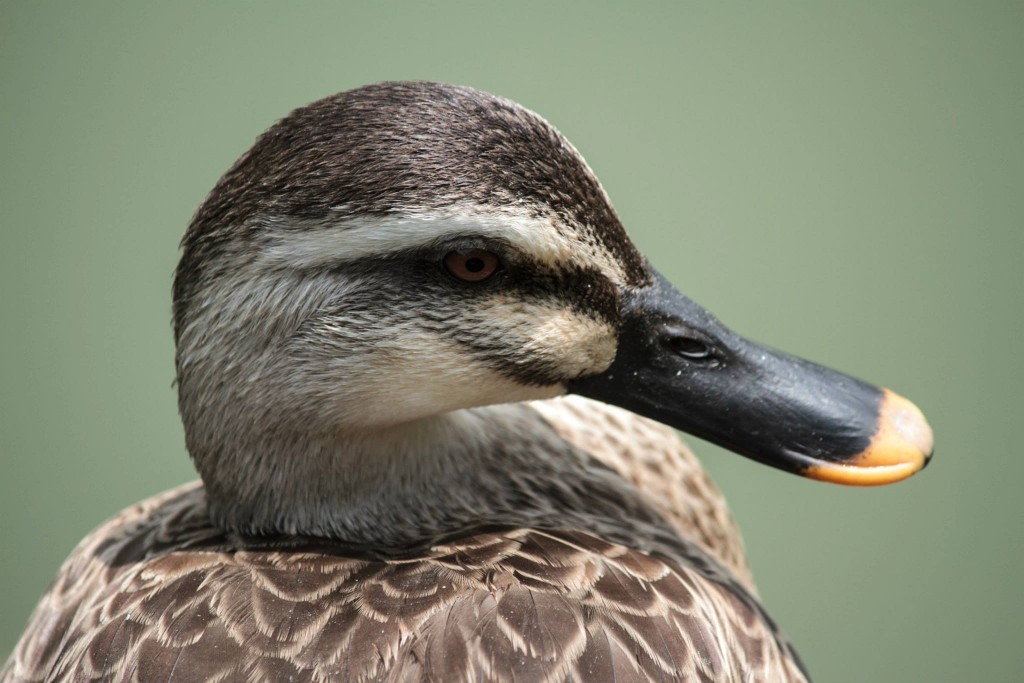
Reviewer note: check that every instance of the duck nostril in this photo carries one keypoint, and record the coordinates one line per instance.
(688, 347)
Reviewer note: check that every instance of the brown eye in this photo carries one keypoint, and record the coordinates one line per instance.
(472, 265)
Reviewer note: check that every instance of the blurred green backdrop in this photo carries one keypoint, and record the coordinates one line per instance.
(845, 181)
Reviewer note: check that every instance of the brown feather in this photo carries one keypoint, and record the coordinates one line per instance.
(203, 605)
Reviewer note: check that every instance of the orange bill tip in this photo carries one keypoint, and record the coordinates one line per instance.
(901, 446)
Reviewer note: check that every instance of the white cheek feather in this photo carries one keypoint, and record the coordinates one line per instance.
(580, 343)
(425, 376)
(326, 242)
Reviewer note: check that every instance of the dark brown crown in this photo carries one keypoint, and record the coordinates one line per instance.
(394, 147)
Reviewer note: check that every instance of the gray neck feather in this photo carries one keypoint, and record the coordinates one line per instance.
(499, 465)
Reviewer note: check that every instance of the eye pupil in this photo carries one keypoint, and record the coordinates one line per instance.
(472, 265)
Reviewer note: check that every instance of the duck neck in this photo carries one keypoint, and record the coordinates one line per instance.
(410, 483)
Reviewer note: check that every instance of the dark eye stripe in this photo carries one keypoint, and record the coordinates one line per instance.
(414, 273)
(586, 290)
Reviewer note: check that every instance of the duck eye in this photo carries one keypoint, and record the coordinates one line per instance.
(472, 265)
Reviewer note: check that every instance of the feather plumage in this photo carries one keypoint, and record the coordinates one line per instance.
(159, 594)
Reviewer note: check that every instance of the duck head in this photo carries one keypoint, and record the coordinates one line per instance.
(397, 253)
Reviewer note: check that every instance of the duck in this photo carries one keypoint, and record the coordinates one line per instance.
(431, 389)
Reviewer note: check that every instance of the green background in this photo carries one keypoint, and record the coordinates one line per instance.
(844, 181)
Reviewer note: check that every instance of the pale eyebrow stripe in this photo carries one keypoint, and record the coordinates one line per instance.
(320, 243)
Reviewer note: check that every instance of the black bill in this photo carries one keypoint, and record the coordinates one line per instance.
(677, 364)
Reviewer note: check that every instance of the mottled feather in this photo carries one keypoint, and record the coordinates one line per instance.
(159, 594)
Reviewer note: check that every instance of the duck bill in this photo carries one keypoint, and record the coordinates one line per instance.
(677, 364)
